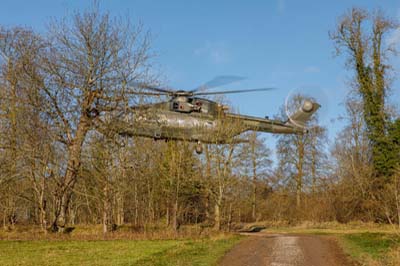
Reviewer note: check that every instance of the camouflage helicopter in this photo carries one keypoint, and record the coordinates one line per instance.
(188, 117)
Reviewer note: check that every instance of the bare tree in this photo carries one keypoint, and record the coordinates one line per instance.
(255, 163)
(23, 146)
(220, 160)
(83, 70)
(300, 157)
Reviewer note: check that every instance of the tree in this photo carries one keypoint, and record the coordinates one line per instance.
(220, 160)
(82, 69)
(255, 163)
(291, 155)
(301, 156)
(27, 152)
(177, 169)
(353, 194)
(367, 56)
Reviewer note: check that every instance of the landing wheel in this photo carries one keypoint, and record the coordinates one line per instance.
(199, 148)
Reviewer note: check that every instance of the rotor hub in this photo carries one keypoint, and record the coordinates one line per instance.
(181, 98)
(182, 93)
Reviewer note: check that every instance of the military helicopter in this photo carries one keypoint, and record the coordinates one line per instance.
(188, 117)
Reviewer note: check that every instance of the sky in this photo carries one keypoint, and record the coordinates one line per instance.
(273, 43)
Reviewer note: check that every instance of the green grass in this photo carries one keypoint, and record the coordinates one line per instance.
(115, 252)
(372, 245)
(196, 253)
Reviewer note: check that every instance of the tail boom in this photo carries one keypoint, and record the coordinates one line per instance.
(296, 124)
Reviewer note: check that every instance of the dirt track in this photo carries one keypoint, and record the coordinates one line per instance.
(262, 249)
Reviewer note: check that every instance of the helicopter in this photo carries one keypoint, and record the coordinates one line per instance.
(188, 116)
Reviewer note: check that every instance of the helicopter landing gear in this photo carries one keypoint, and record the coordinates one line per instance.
(199, 148)
(157, 135)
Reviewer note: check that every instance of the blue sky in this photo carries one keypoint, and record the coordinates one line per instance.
(276, 43)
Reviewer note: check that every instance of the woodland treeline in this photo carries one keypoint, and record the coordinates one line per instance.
(61, 163)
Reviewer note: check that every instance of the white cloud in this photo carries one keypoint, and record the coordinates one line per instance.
(216, 52)
(312, 69)
(281, 5)
(394, 38)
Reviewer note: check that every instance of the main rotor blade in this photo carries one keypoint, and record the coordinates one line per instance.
(149, 93)
(150, 87)
(232, 91)
(219, 81)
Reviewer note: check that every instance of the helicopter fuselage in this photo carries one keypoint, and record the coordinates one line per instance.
(196, 120)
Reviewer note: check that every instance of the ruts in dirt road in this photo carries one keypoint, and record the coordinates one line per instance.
(263, 249)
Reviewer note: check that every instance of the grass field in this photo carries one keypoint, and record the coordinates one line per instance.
(116, 252)
(372, 248)
(369, 244)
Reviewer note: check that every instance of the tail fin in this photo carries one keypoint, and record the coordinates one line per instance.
(303, 115)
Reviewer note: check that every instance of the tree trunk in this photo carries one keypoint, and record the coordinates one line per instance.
(299, 175)
(43, 220)
(207, 207)
(106, 209)
(230, 217)
(64, 192)
(167, 216)
(298, 191)
(4, 221)
(217, 212)
(120, 209)
(254, 197)
(61, 222)
(254, 183)
(175, 222)
(313, 167)
(136, 205)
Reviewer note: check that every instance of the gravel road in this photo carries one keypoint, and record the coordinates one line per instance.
(262, 249)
